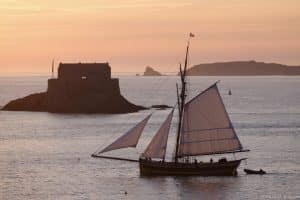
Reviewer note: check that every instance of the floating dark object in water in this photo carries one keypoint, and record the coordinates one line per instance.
(229, 92)
(161, 106)
(251, 171)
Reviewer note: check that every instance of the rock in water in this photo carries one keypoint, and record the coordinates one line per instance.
(79, 88)
(33, 102)
(149, 71)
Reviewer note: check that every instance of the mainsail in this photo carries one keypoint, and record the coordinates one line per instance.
(206, 127)
(130, 138)
(158, 145)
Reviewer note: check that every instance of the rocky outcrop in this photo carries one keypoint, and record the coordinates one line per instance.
(242, 68)
(33, 102)
(79, 88)
(149, 71)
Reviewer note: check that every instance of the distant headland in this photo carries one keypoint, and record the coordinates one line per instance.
(79, 88)
(149, 71)
(243, 68)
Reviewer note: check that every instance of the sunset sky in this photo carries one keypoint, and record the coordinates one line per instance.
(133, 34)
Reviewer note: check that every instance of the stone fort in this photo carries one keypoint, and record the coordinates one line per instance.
(78, 88)
(81, 78)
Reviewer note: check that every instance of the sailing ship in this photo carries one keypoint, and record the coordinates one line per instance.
(204, 128)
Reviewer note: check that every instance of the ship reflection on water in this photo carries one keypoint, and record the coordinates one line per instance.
(203, 188)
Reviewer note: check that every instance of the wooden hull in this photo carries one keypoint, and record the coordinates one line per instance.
(157, 168)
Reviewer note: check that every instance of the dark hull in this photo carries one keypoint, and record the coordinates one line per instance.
(157, 168)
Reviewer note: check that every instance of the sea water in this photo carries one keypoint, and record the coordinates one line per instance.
(47, 156)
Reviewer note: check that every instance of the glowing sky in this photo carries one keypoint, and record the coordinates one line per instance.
(136, 33)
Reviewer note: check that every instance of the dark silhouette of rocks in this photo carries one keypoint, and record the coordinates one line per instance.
(79, 88)
(149, 71)
(242, 68)
(33, 102)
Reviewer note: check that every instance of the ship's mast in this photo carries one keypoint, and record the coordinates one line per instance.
(181, 98)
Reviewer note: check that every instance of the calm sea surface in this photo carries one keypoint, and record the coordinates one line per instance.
(47, 156)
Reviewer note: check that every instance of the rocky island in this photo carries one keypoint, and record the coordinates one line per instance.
(149, 71)
(79, 88)
(243, 68)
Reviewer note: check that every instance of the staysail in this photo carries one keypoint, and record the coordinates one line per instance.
(206, 127)
(130, 138)
(158, 145)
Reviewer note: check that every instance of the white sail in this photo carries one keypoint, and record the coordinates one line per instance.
(206, 127)
(158, 145)
(130, 138)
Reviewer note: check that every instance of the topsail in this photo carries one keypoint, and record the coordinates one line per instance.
(206, 127)
(129, 139)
